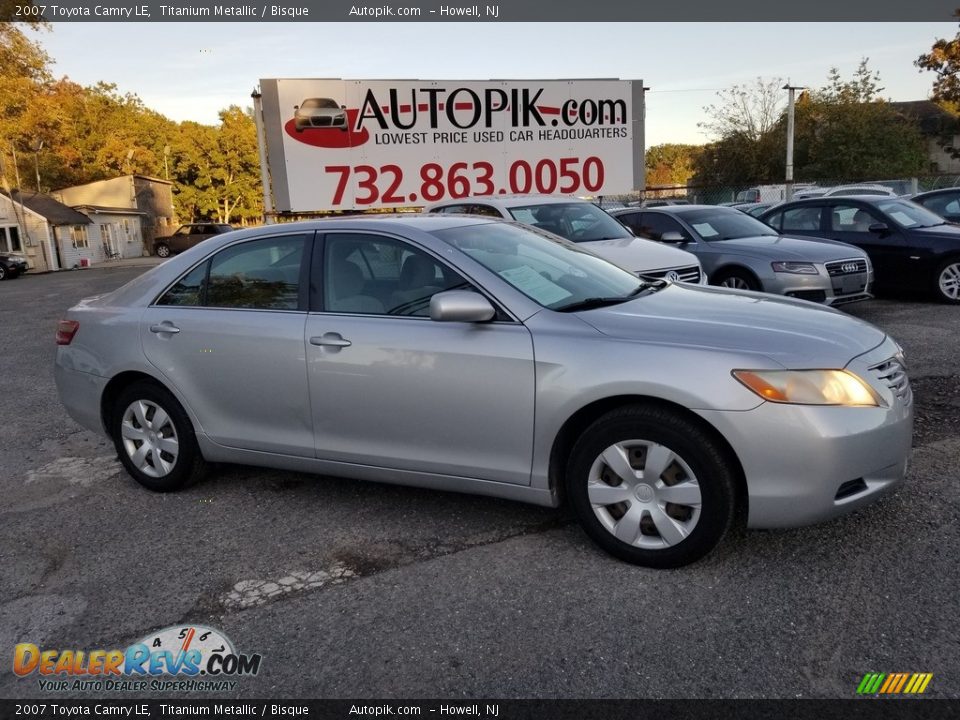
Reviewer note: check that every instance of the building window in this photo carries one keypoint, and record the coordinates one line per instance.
(10, 239)
(78, 233)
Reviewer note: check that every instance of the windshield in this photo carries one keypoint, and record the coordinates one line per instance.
(575, 221)
(548, 270)
(725, 224)
(909, 214)
(320, 103)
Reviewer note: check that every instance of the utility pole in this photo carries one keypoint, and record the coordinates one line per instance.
(37, 147)
(791, 89)
(166, 166)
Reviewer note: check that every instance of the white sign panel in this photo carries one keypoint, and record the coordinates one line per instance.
(360, 144)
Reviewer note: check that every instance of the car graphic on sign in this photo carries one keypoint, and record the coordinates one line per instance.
(319, 113)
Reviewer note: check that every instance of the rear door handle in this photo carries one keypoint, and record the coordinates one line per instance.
(164, 328)
(330, 340)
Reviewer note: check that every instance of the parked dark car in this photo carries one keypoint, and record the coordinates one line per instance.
(945, 202)
(911, 247)
(187, 236)
(755, 209)
(11, 266)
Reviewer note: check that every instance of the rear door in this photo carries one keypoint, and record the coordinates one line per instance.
(229, 337)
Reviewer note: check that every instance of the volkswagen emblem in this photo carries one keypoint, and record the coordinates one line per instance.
(672, 276)
(849, 267)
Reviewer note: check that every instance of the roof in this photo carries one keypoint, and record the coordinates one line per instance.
(118, 177)
(55, 212)
(509, 201)
(106, 210)
(931, 118)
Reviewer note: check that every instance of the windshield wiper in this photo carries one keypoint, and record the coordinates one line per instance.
(597, 302)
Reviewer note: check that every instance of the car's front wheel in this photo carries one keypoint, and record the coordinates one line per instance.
(154, 438)
(651, 487)
(947, 284)
(3, 273)
(737, 279)
(162, 250)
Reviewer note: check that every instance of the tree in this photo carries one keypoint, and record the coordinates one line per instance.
(848, 132)
(745, 111)
(844, 131)
(944, 60)
(671, 164)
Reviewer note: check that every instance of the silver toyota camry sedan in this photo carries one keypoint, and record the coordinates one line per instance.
(482, 356)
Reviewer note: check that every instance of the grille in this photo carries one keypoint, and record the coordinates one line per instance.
(846, 267)
(892, 374)
(812, 295)
(686, 274)
(322, 121)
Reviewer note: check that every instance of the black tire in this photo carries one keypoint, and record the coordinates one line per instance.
(694, 447)
(947, 272)
(189, 465)
(162, 250)
(744, 279)
(3, 273)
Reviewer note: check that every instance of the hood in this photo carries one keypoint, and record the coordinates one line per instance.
(637, 254)
(947, 231)
(794, 333)
(783, 247)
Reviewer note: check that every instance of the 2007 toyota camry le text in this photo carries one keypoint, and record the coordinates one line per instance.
(483, 356)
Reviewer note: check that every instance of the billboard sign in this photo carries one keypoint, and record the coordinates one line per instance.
(361, 144)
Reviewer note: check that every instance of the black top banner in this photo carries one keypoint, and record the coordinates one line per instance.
(539, 11)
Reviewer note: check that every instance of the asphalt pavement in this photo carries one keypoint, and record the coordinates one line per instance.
(399, 592)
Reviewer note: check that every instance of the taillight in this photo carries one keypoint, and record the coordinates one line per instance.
(66, 329)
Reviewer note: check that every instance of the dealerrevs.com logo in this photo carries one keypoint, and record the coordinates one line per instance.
(178, 658)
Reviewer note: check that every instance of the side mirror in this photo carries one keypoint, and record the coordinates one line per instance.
(296, 107)
(343, 107)
(673, 236)
(460, 306)
(878, 227)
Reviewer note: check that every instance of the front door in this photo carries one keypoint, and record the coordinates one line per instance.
(850, 223)
(392, 388)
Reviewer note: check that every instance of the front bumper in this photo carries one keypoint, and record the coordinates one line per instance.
(804, 464)
(822, 288)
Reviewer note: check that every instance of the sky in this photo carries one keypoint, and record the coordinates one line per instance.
(189, 71)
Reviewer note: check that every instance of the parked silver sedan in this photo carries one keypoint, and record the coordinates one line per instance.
(741, 252)
(482, 356)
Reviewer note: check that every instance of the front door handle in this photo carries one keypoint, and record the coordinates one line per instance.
(330, 340)
(164, 328)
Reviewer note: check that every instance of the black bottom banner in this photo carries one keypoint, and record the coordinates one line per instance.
(861, 709)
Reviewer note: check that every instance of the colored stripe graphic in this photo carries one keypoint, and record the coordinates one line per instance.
(894, 683)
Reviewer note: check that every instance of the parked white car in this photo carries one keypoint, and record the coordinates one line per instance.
(584, 223)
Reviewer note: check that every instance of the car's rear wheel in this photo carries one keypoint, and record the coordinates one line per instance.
(162, 250)
(737, 279)
(651, 487)
(947, 284)
(154, 438)
(3, 273)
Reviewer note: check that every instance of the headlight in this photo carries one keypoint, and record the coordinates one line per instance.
(797, 268)
(810, 387)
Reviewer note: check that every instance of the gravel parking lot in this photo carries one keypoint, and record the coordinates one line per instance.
(399, 592)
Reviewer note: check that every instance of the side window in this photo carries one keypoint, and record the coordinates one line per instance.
(850, 218)
(185, 230)
(631, 220)
(654, 225)
(259, 275)
(803, 218)
(376, 275)
(775, 221)
(190, 289)
(456, 210)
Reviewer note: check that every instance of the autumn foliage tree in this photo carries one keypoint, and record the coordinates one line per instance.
(96, 132)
